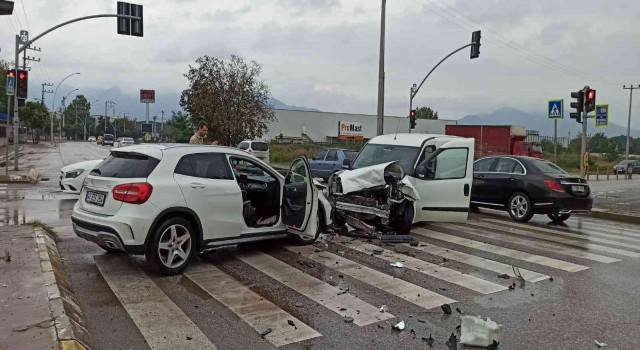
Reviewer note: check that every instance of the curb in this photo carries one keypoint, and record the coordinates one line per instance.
(603, 214)
(71, 332)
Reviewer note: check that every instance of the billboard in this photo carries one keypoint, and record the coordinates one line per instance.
(147, 128)
(350, 131)
(147, 96)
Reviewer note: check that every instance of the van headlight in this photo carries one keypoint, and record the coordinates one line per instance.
(73, 173)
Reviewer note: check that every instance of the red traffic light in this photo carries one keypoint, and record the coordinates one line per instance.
(412, 114)
(22, 75)
(591, 95)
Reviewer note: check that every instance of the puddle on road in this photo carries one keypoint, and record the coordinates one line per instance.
(54, 213)
(39, 196)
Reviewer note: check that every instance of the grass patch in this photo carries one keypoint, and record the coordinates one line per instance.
(283, 154)
(46, 228)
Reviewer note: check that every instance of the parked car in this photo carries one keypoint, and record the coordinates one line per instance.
(524, 186)
(99, 140)
(172, 201)
(108, 140)
(258, 149)
(91, 139)
(124, 141)
(397, 180)
(329, 161)
(72, 176)
(621, 168)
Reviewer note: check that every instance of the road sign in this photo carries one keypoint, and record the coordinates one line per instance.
(147, 96)
(147, 137)
(555, 110)
(11, 85)
(24, 37)
(602, 116)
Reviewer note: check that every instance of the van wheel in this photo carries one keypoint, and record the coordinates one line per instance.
(320, 227)
(172, 246)
(519, 207)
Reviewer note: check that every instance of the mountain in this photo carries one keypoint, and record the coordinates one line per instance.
(539, 122)
(130, 103)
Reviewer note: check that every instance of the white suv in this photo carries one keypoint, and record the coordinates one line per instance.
(170, 202)
(259, 149)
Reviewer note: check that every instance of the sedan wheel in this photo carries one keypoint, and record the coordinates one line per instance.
(558, 218)
(519, 207)
(173, 246)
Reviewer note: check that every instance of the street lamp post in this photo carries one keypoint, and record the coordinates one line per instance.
(63, 108)
(85, 120)
(53, 109)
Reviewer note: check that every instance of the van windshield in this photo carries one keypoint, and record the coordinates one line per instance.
(374, 154)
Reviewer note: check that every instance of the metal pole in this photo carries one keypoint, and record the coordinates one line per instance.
(410, 106)
(380, 129)
(583, 148)
(16, 117)
(115, 125)
(630, 88)
(555, 140)
(75, 133)
(6, 148)
(147, 112)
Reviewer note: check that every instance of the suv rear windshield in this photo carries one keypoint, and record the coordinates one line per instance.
(126, 165)
(260, 146)
(108, 137)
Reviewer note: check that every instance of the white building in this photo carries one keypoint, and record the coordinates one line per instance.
(304, 126)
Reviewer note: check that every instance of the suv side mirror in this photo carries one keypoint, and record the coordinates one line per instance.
(346, 164)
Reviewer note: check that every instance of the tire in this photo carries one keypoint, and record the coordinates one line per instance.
(558, 218)
(519, 207)
(173, 235)
(110, 250)
(300, 240)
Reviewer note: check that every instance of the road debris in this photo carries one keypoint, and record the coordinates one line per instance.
(413, 333)
(504, 276)
(307, 264)
(446, 308)
(452, 343)
(299, 304)
(397, 264)
(601, 345)
(396, 239)
(378, 251)
(343, 291)
(384, 308)
(399, 326)
(477, 332)
(189, 338)
(264, 331)
(421, 320)
(7, 255)
(290, 323)
(459, 311)
(429, 341)
(414, 243)
(513, 286)
(348, 320)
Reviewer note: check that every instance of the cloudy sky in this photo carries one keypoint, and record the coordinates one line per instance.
(324, 53)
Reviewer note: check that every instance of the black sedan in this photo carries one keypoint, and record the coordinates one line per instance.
(525, 186)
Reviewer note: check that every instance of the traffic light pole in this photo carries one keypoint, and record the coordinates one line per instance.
(16, 117)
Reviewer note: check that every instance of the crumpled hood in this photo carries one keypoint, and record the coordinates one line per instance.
(373, 176)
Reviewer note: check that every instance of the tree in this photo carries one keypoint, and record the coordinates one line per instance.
(182, 127)
(426, 113)
(230, 97)
(35, 116)
(75, 115)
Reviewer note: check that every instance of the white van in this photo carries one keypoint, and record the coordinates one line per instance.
(439, 167)
(259, 149)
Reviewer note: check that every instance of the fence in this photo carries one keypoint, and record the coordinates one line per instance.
(562, 141)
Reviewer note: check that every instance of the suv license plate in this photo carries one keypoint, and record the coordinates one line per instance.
(577, 188)
(94, 198)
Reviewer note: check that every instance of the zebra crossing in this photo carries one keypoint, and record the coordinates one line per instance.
(467, 258)
(3, 191)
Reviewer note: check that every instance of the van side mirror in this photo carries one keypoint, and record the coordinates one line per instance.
(346, 164)
(425, 170)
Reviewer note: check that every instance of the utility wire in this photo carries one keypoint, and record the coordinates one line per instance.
(25, 15)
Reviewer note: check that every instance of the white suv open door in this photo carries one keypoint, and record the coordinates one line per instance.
(300, 200)
(444, 181)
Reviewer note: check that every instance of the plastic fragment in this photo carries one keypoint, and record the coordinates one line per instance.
(384, 308)
(399, 326)
(348, 320)
(397, 264)
(601, 345)
(446, 308)
(429, 340)
(264, 331)
(452, 343)
(477, 332)
(504, 276)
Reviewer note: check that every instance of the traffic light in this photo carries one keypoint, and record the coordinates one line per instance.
(23, 84)
(590, 100)
(6, 7)
(129, 26)
(578, 105)
(412, 119)
(475, 48)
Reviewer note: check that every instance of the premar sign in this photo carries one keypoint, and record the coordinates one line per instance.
(350, 131)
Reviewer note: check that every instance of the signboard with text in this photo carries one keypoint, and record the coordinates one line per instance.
(602, 116)
(350, 131)
(147, 96)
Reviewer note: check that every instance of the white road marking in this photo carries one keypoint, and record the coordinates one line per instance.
(161, 322)
(258, 312)
(578, 243)
(546, 246)
(315, 289)
(510, 253)
(390, 284)
(615, 231)
(427, 268)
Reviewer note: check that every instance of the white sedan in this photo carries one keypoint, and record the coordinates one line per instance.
(125, 141)
(72, 176)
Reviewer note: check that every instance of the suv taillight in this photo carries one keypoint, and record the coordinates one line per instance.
(553, 185)
(135, 193)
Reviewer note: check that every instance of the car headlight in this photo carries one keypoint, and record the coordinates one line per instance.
(73, 173)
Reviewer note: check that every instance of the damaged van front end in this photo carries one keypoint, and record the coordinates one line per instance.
(378, 199)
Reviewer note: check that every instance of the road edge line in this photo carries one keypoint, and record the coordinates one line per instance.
(71, 334)
(601, 214)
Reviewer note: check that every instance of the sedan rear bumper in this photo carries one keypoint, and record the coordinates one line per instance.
(563, 205)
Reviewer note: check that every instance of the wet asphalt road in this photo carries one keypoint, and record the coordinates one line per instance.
(586, 282)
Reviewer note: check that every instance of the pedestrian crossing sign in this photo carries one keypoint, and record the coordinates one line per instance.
(555, 110)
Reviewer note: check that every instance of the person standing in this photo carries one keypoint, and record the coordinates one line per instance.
(200, 134)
